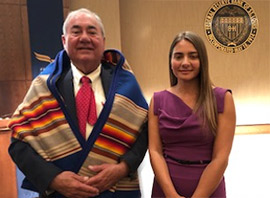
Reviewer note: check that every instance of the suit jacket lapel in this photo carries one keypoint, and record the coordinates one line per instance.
(106, 75)
(65, 87)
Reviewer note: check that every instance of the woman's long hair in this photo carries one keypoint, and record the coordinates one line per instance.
(206, 103)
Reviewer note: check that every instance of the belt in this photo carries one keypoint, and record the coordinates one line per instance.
(187, 161)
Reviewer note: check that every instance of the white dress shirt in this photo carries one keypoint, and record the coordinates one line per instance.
(96, 86)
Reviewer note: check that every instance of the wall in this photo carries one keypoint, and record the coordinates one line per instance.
(247, 174)
(109, 14)
(143, 30)
(15, 67)
(7, 168)
(147, 29)
(149, 26)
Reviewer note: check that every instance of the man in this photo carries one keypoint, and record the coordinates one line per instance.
(59, 154)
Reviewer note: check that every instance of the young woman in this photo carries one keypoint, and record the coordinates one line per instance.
(191, 126)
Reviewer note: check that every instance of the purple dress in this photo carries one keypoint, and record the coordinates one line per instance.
(183, 138)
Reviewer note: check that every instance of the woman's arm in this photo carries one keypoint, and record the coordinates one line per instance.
(156, 156)
(213, 173)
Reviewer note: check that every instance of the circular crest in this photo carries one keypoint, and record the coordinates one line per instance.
(231, 25)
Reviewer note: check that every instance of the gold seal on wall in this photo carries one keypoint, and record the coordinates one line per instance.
(231, 25)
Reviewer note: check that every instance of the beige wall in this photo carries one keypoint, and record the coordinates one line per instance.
(148, 27)
(144, 29)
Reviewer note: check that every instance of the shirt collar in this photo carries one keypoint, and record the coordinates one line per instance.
(77, 74)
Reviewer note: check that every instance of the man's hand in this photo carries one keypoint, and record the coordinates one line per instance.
(72, 185)
(107, 175)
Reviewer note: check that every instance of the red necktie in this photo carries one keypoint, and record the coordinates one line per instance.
(85, 105)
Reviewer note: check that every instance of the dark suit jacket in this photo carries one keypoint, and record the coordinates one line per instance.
(40, 172)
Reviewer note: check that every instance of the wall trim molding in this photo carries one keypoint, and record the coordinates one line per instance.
(239, 130)
(252, 129)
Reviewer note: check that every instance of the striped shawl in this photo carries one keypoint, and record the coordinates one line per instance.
(43, 122)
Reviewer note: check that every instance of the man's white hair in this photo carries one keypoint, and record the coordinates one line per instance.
(83, 11)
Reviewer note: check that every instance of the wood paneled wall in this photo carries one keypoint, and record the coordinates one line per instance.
(15, 78)
(7, 168)
(15, 54)
(15, 63)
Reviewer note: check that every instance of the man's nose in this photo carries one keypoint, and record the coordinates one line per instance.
(85, 37)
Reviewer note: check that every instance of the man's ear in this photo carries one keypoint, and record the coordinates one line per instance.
(63, 40)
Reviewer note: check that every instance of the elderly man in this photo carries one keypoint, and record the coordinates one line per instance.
(81, 129)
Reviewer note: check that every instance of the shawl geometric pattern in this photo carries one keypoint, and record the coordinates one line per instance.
(43, 122)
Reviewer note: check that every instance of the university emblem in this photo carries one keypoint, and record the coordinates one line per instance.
(231, 25)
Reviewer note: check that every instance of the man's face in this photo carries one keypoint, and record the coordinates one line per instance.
(84, 41)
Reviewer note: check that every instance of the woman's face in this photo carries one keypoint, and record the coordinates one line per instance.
(185, 61)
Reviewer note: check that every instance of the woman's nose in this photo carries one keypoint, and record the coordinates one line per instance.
(185, 60)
